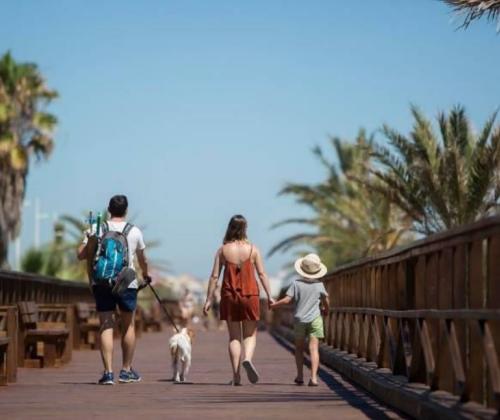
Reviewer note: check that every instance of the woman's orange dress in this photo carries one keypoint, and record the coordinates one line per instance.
(240, 292)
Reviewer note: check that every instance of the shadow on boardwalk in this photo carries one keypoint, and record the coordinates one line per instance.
(70, 392)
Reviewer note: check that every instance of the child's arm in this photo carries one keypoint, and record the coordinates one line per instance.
(325, 305)
(282, 302)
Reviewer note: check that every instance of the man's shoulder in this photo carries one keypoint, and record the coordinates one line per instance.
(135, 230)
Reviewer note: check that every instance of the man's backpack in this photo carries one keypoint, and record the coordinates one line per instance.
(112, 254)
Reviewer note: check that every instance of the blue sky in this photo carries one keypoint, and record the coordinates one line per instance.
(201, 109)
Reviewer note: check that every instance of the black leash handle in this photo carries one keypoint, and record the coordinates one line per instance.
(163, 307)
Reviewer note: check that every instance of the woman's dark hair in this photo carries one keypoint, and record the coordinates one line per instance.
(236, 229)
(118, 206)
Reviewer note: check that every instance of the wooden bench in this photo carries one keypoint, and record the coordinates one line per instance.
(8, 342)
(86, 327)
(45, 334)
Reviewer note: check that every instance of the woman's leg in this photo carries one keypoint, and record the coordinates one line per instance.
(314, 354)
(249, 338)
(234, 329)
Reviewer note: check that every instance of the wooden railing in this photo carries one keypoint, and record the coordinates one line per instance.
(429, 311)
(16, 287)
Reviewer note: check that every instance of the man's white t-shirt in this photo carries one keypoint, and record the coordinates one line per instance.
(135, 242)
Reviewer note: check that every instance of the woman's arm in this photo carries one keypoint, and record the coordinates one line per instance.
(264, 280)
(212, 282)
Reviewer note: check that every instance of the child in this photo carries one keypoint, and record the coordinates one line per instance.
(307, 293)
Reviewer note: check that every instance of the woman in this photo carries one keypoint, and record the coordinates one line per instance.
(239, 305)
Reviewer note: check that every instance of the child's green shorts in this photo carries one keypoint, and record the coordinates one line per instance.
(309, 329)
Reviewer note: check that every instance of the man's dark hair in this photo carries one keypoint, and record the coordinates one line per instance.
(118, 206)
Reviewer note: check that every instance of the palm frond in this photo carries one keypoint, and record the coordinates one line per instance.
(476, 9)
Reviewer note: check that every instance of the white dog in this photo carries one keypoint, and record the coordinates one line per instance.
(180, 350)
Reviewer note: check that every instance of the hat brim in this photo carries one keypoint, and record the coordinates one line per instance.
(321, 273)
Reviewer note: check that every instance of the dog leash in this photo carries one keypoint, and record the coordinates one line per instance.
(163, 307)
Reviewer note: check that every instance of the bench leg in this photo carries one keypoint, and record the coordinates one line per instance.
(49, 353)
(21, 349)
(65, 349)
(3, 366)
(78, 339)
(12, 331)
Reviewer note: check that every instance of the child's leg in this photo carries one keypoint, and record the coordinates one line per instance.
(299, 357)
(314, 354)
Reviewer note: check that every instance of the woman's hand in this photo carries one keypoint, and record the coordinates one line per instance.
(206, 307)
(270, 302)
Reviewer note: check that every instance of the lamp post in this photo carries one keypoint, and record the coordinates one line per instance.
(39, 216)
(17, 243)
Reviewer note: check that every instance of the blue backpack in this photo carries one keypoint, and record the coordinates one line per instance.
(112, 254)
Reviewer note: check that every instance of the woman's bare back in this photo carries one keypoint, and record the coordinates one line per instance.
(237, 252)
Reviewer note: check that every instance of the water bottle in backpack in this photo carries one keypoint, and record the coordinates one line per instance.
(112, 254)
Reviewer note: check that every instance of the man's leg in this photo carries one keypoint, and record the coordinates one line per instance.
(128, 338)
(106, 338)
(127, 302)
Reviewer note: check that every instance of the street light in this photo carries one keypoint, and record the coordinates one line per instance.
(39, 216)
(17, 243)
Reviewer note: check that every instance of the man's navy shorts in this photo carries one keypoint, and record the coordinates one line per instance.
(106, 301)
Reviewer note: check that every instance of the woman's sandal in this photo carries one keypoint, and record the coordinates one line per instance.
(235, 382)
(311, 383)
(252, 374)
(298, 381)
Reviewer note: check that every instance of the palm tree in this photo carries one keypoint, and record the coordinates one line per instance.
(349, 220)
(476, 9)
(440, 181)
(25, 130)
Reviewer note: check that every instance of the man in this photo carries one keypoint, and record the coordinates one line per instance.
(106, 301)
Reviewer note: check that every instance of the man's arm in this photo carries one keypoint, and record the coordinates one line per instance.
(81, 253)
(143, 263)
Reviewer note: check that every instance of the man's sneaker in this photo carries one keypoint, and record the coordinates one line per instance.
(129, 376)
(107, 379)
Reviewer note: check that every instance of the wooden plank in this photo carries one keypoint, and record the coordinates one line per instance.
(402, 286)
(428, 351)
(431, 281)
(12, 331)
(493, 299)
(445, 279)
(491, 357)
(476, 368)
(420, 271)
(456, 358)
(445, 364)
(392, 290)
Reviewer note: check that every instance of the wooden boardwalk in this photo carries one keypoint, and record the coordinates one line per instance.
(70, 392)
